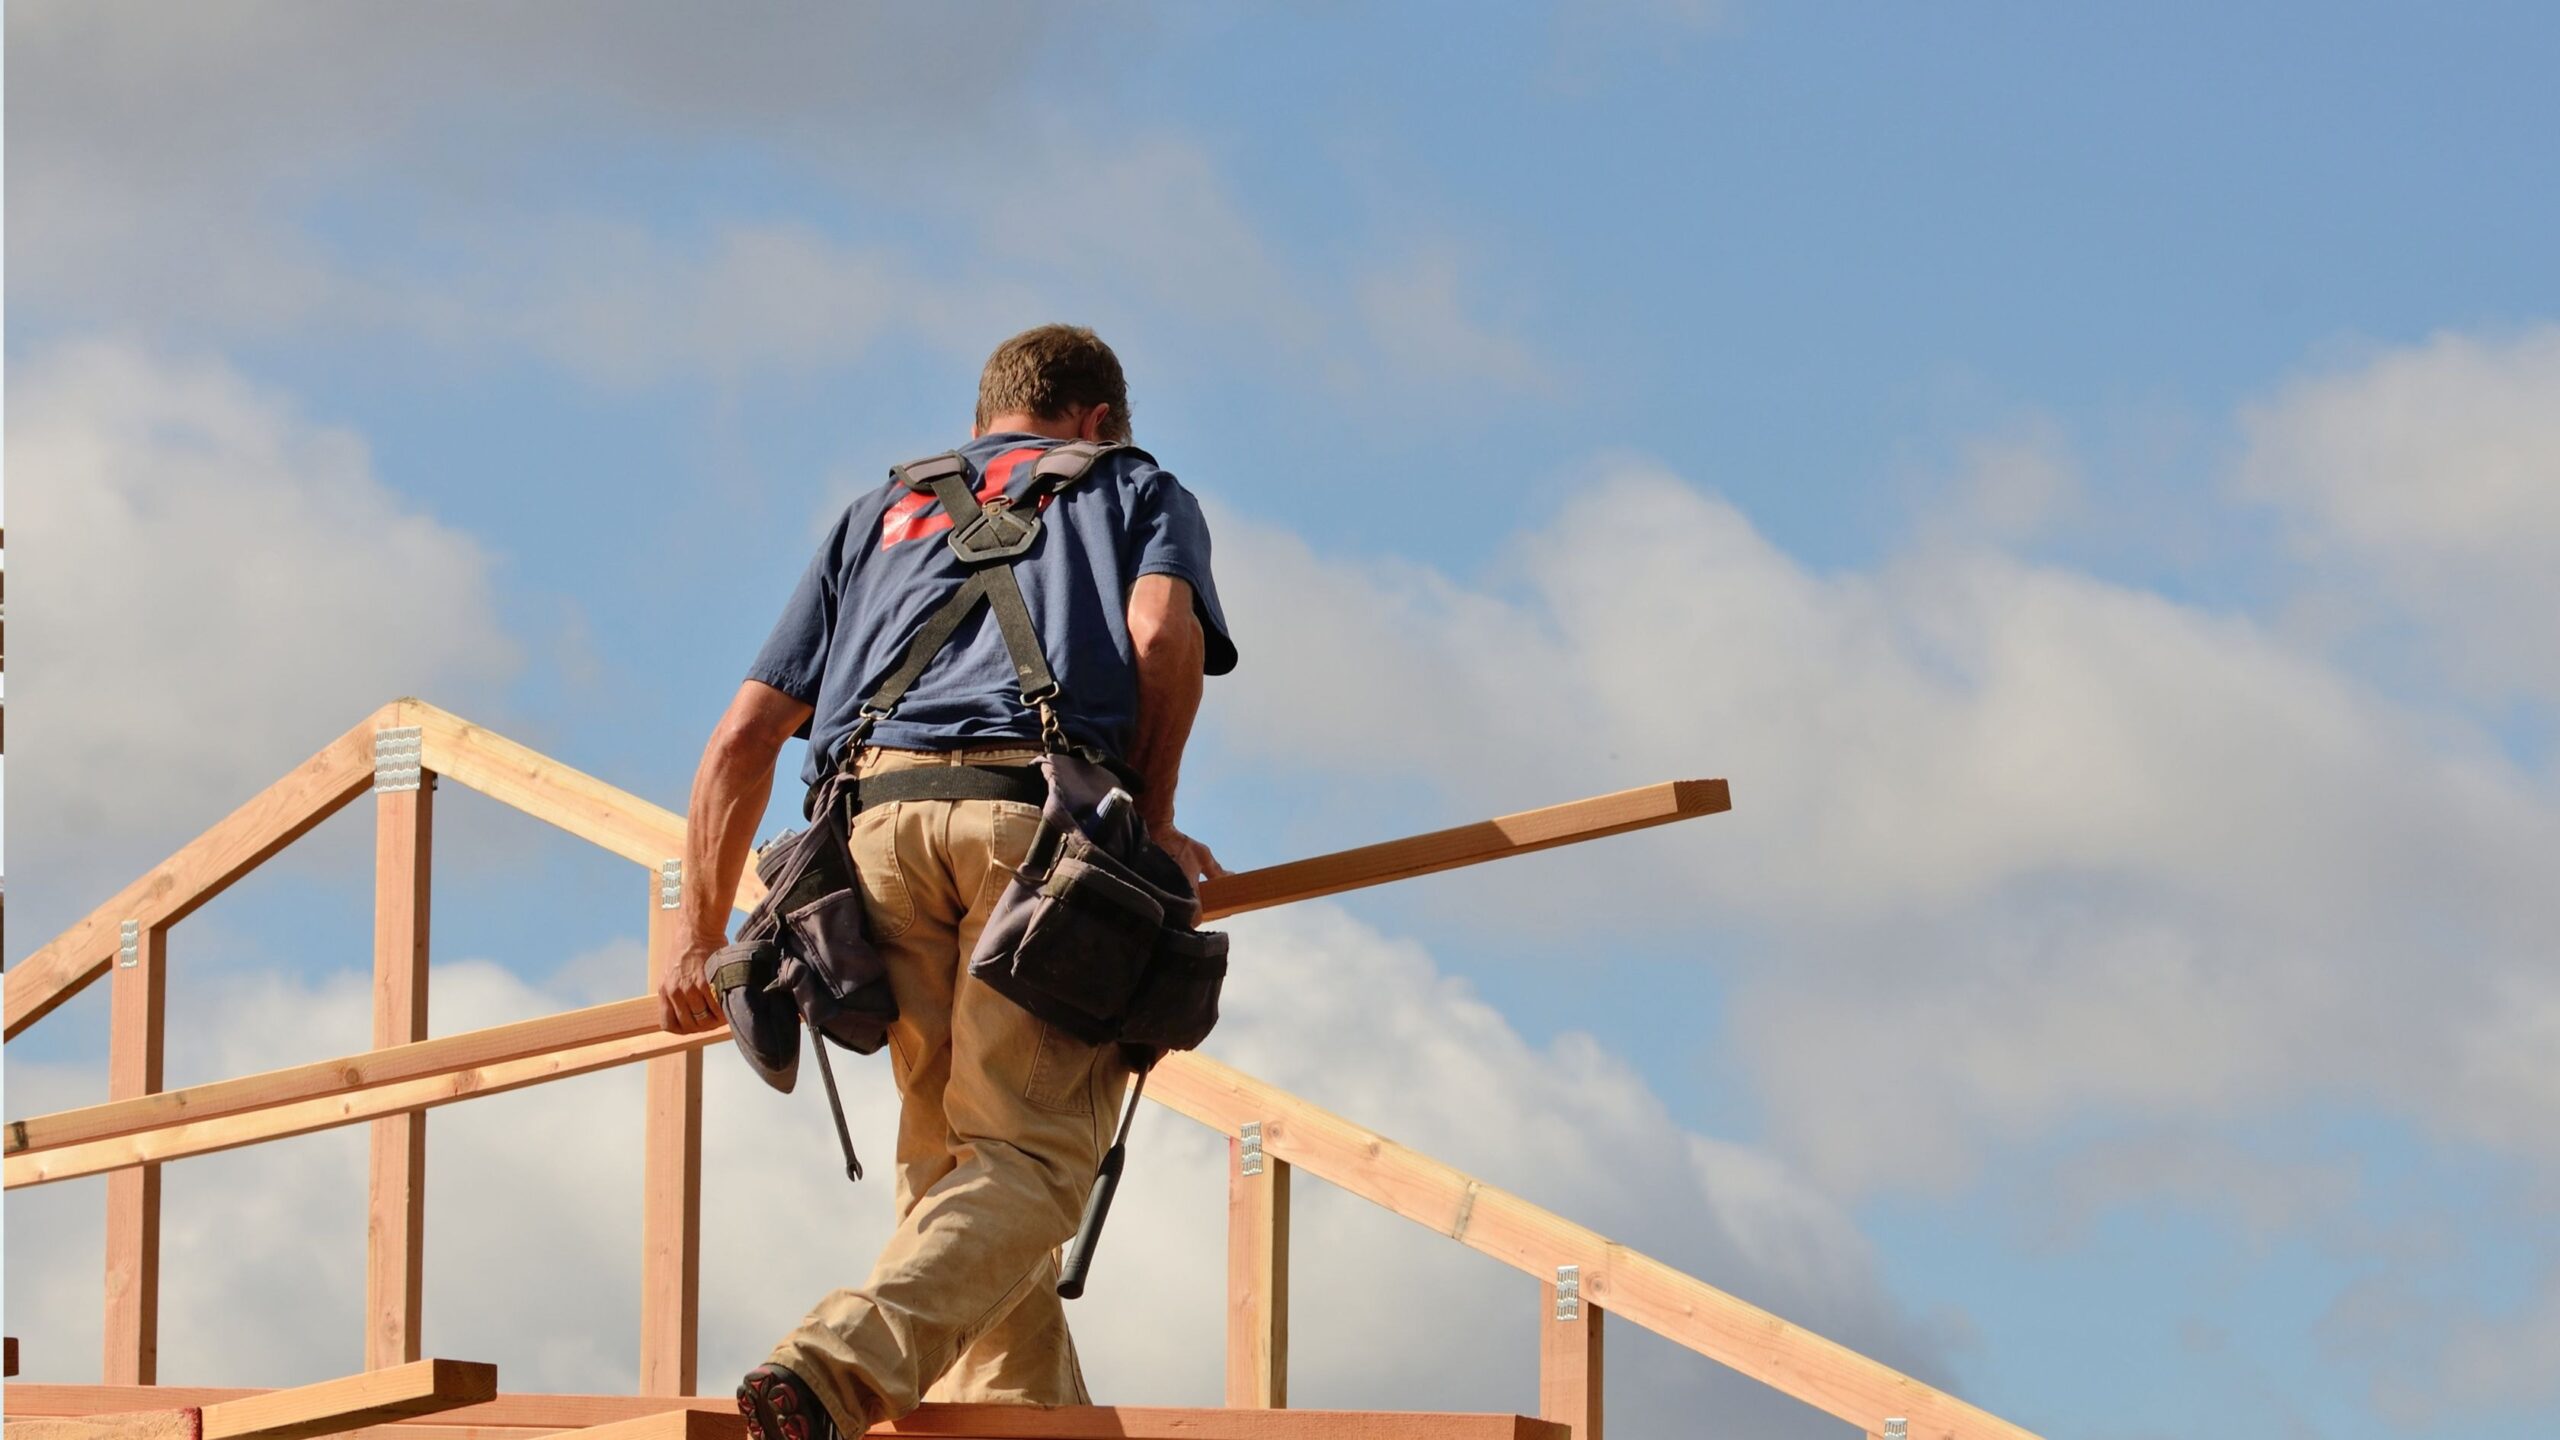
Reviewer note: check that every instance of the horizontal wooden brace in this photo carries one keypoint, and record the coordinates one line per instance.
(495, 1045)
(302, 1117)
(524, 1417)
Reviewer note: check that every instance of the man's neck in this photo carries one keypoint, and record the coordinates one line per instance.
(1019, 423)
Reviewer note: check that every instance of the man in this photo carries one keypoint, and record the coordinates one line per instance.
(1003, 1117)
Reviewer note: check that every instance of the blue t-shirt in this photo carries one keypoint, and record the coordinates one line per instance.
(886, 567)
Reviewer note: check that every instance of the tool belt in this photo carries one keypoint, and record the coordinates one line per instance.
(1094, 934)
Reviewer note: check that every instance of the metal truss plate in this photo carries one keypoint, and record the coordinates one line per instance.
(1249, 1148)
(670, 884)
(1568, 1292)
(397, 759)
(129, 944)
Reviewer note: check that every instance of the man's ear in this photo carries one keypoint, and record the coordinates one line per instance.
(1093, 424)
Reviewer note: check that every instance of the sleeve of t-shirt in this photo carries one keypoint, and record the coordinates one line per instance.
(794, 657)
(1173, 539)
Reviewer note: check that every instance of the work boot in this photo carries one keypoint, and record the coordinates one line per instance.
(780, 1406)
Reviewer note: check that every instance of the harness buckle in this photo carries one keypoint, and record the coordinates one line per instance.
(999, 532)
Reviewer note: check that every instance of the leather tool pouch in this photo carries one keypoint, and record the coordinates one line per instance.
(802, 956)
(1094, 934)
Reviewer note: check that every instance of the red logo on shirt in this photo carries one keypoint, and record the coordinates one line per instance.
(907, 521)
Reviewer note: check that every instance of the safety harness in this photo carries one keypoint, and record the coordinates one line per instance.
(988, 538)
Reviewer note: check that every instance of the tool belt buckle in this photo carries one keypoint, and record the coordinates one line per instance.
(999, 532)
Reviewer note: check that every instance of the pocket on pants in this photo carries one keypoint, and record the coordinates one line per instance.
(1061, 1073)
(873, 842)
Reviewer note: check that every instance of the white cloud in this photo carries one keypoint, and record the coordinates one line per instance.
(2432, 474)
(2012, 847)
(206, 575)
(533, 1216)
(173, 199)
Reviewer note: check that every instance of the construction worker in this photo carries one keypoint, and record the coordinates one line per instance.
(1003, 1116)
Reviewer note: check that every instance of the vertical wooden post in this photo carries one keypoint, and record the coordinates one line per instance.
(1257, 1274)
(671, 1182)
(1569, 1354)
(396, 1192)
(137, 1001)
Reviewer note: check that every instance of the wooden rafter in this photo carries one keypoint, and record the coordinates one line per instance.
(1635, 1287)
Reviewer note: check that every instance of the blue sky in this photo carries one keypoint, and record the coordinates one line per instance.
(2090, 479)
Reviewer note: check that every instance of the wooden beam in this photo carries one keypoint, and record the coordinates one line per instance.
(1257, 1277)
(1820, 1372)
(137, 1005)
(1569, 1371)
(204, 1137)
(667, 1425)
(549, 791)
(526, 1417)
(421, 1388)
(499, 1044)
(671, 1189)
(180, 1424)
(396, 1188)
(203, 868)
(1495, 839)
(9, 1365)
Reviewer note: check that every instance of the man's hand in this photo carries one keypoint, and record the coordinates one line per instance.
(1194, 858)
(686, 1002)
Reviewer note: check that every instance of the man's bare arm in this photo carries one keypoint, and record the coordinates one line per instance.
(1165, 632)
(730, 789)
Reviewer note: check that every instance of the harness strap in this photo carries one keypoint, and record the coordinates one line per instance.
(989, 539)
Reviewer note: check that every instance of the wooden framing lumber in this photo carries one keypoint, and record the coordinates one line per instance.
(396, 1184)
(496, 1045)
(136, 1026)
(180, 1424)
(420, 1388)
(1257, 1278)
(547, 790)
(8, 1356)
(667, 1425)
(527, 1417)
(670, 1194)
(1569, 1369)
(203, 868)
(1820, 1372)
(1496, 839)
(204, 1137)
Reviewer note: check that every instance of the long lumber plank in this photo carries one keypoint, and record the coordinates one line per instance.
(201, 869)
(423, 1387)
(498, 1044)
(524, 1416)
(1277, 885)
(1495, 839)
(1821, 1372)
(180, 1424)
(327, 1112)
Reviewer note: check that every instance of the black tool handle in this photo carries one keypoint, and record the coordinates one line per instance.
(1097, 1208)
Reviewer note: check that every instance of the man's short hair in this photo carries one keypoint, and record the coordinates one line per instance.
(1053, 369)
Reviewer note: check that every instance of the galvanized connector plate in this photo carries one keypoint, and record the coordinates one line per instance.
(1895, 1428)
(1249, 1148)
(670, 884)
(396, 759)
(1568, 1292)
(129, 944)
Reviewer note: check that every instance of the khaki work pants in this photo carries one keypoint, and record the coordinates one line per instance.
(1003, 1119)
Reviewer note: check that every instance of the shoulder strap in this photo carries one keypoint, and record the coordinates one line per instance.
(988, 539)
